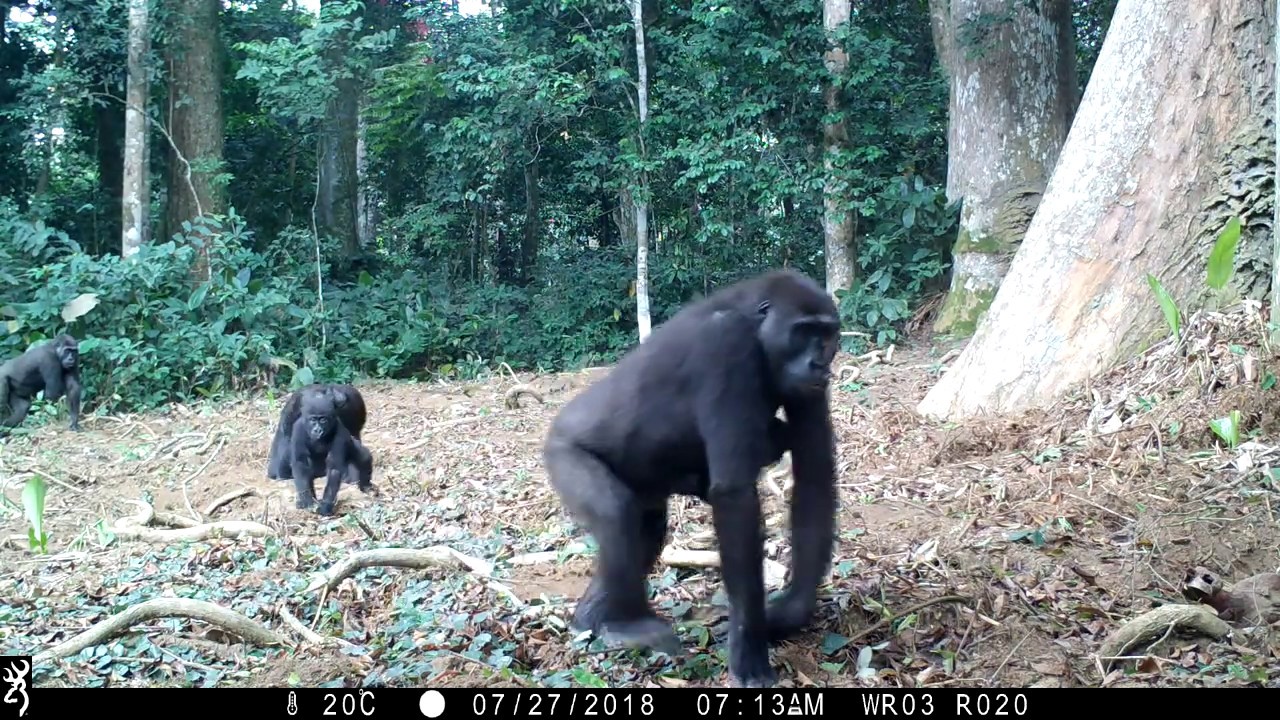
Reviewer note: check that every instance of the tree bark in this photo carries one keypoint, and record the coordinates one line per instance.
(641, 204)
(837, 220)
(336, 211)
(1168, 133)
(1013, 89)
(196, 122)
(366, 193)
(135, 192)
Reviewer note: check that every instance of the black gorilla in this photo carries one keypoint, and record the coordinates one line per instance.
(313, 440)
(692, 411)
(53, 367)
(351, 411)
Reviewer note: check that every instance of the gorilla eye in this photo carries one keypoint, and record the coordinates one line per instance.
(763, 308)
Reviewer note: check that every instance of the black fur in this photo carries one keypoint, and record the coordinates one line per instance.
(53, 367)
(691, 411)
(351, 411)
(320, 445)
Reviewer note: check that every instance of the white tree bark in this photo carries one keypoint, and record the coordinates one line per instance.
(1013, 90)
(136, 191)
(642, 203)
(837, 221)
(1157, 139)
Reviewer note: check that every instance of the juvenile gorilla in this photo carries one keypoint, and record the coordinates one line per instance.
(319, 444)
(351, 411)
(53, 367)
(691, 411)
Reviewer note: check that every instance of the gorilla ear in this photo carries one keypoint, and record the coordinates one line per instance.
(763, 308)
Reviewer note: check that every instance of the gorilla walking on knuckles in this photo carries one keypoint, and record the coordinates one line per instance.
(53, 367)
(313, 440)
(691, 411)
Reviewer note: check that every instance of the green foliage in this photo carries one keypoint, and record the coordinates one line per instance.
(1223, 256)
(1227, 428)
(33, 508)
(1172, 316)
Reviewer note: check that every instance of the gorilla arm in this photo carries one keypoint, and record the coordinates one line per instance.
(735, 426)
(813, 503)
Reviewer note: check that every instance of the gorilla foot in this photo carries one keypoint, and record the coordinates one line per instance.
(649, 632)
(304, 503)
(325, 508)
(788, 615)
(370, 490)
(750, 668)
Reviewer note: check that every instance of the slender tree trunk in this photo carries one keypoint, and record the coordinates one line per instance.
(366, 192)
(837, 219)
(642, 202)
(1011, 66)
(195, 102)
(1171, 141)
(337, 212)
(135, 192)
(532, 222)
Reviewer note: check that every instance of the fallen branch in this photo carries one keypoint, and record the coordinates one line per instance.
(775, 573)
(228, 620)
(135, 527)
(438, 556)
(1158, 623)
(232, 529)
(512, 399)
(173, 520)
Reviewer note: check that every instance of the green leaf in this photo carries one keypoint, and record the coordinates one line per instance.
(33, 505)
(1222, 257)
(833, 642)
(909, 217)
(1167, 305)
(197, 297)
(79, 306)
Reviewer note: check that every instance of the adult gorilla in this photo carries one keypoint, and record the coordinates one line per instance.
(691, 411)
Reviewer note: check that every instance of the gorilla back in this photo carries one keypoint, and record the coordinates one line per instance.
(53, 367)
(692, 411)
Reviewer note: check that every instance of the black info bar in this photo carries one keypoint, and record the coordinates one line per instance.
(663, 703)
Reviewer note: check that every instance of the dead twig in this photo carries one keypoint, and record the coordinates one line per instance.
(439, 556)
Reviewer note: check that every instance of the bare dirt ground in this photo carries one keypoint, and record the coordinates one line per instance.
(1051, 530)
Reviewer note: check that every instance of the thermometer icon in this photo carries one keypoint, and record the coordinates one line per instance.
(293, 703)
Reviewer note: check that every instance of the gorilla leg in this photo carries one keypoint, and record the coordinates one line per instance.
(630, 536)
(74, 391)
(653, 536)
(19, 407)
(304, 486)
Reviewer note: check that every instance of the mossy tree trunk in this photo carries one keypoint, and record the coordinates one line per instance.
(1173, 137)
(1013, 87)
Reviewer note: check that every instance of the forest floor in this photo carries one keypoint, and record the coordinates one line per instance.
(1053, 529)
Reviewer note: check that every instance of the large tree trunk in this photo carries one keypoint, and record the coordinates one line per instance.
(837, 219)
(641, 205)
(195, 117)
(336, 211)
(135, 191)
(532, 222)
(1173, 132)
(1012, 72)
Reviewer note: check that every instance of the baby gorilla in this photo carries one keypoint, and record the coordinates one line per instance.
(319, 444)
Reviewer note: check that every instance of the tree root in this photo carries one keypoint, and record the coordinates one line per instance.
(438, 556)
(313, 637)
(228, 620)
(512, 399)
(135, 527)
(1154, 626)
(231, 497)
